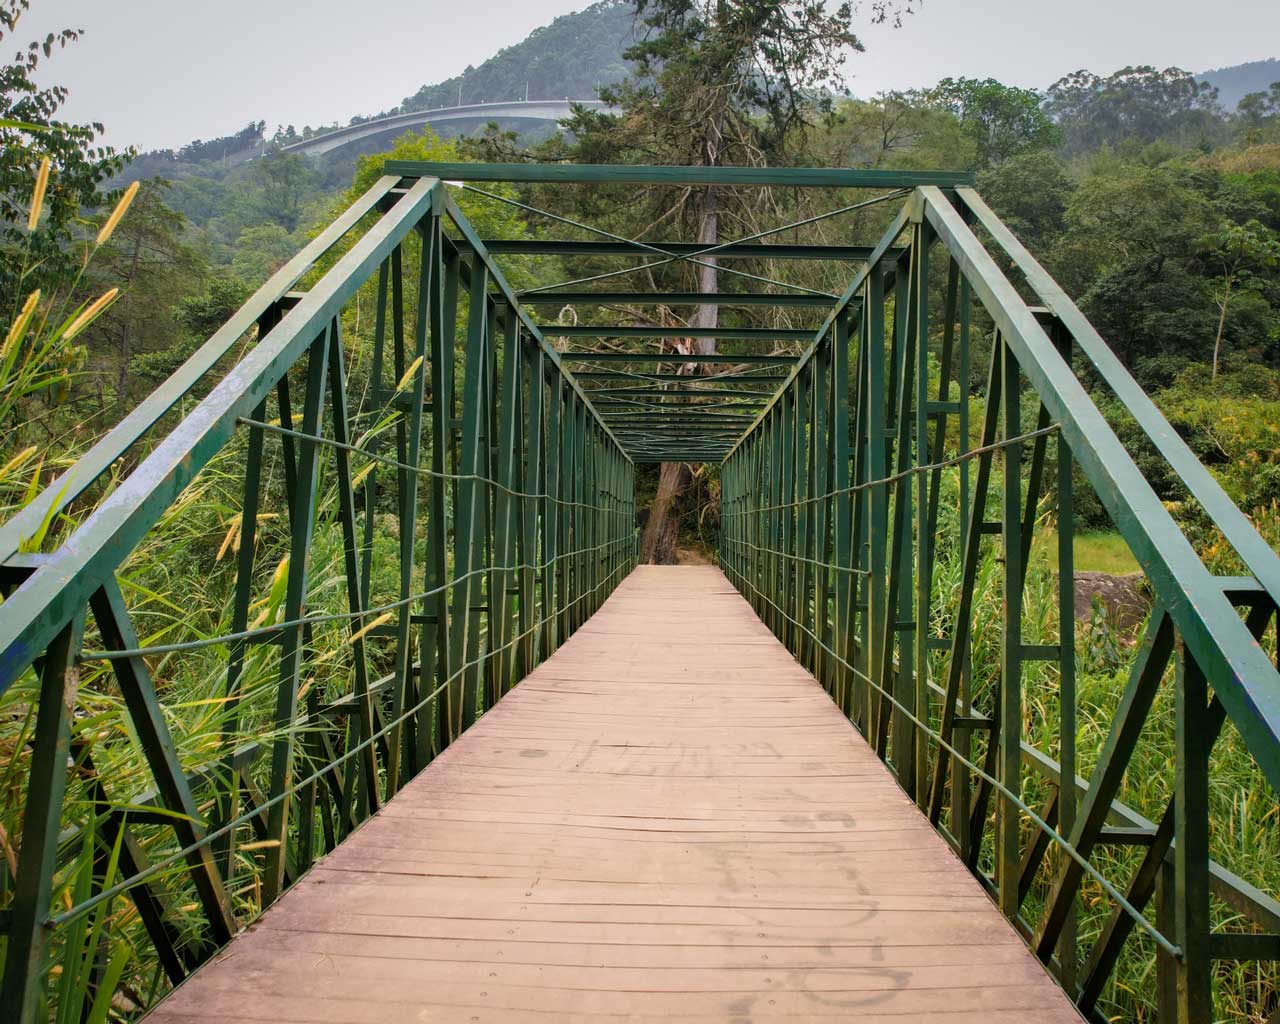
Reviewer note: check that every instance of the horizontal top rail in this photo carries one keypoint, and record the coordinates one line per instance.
(1241, 672)
(31, 618)
(1253, 550)
(122, 437)
(644, 174)
(677, 331)
(675, 357)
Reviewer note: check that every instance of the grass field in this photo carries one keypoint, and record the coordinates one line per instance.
(1094, 552)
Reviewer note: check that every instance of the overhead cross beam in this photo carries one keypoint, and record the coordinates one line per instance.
(647, 377)
(677, 331)
(730, 251)
(569, 297)
(676, 357)
(640, 174)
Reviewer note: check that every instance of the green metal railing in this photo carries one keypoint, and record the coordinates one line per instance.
(483, 512)
(833, 506)
(424, 498)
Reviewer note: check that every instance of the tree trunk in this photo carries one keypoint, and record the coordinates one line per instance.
(708, 275)
(1222, 323)
(662, 532)
(122, 385)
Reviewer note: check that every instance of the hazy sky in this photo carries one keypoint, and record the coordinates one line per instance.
(163, 72)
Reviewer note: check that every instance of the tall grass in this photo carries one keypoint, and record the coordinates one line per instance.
(177, 584)
(1243, 807)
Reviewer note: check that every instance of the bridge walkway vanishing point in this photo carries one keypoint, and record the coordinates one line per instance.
(667, 820)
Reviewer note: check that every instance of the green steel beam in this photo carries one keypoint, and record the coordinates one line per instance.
(640, 174)
(849, 298)
(645, 377)
(690, 413)
(684, 401)
(706, 445)
(675, 406)
(1253, 550)
(776, 550)
(1244, 677)
(56, 590)
(603, 298)
(731, 251)
(675, 357)
(727, 333)
(856, 622)
(675, 392)
(119, 439)
(506, 291)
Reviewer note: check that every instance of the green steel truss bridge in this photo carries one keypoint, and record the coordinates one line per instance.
(668, 819)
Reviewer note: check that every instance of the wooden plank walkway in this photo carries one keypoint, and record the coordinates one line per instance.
(668, 821)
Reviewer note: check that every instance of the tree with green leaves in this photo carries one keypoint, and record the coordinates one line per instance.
(30, 130)
(1003, 121)
(892, 129)
(1171, 262)
(1031, 192)
(1135, 106)
(150, 259)
(284, 181)
(1245, 255)
(1258, 114)
(716, 82)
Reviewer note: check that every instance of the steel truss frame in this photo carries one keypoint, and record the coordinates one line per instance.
(830, 510)
(511, 483)
(470, 437)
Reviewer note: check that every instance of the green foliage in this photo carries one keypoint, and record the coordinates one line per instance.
(728, 60)
(260, 250)
(283, 180)
(1148, 232)
(1242, 807)
(1143, 247)
(1259, 112)
(1233, 424)
(1133, 107)
(203, 314)
(490, 217)
(80, 167)
(155, 265)
(1246, 256)
(1032, 192)
(594, 36)
(1003, 121)
(894, 129)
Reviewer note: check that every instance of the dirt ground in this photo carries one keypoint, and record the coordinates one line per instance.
(693, 556)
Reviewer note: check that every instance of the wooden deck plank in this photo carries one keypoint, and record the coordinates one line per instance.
(667, 821)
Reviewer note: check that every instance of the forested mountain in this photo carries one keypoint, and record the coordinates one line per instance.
(1235, 82)
(571, 57)
(1104, 139)
(578, 53)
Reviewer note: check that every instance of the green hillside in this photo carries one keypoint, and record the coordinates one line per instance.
(571, 57)
(1236, 82)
